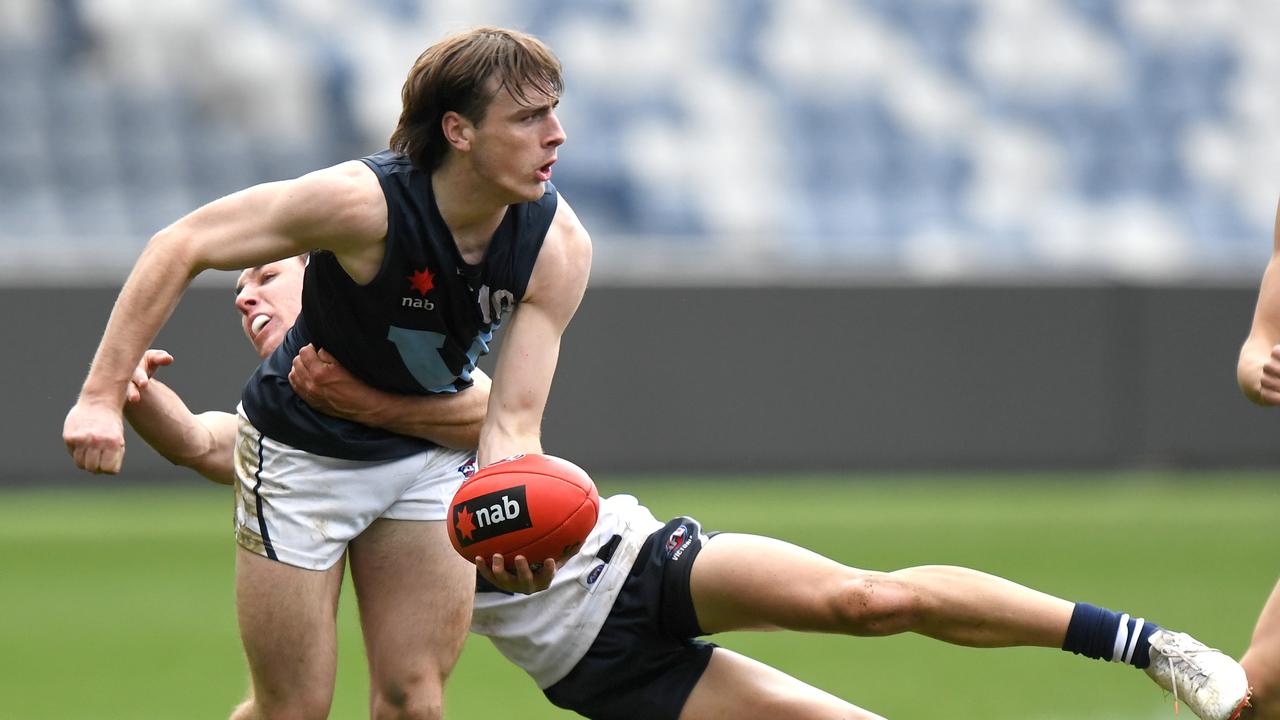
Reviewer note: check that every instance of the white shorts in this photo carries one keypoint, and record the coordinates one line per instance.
(303, 509)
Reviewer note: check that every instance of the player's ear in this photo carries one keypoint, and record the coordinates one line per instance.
(458, 131)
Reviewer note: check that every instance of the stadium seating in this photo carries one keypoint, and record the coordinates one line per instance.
(910, 137)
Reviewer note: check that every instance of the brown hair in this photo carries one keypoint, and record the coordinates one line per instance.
(454, 74)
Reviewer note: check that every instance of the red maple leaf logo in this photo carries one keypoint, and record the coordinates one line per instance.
(422, 280)
(463, 522)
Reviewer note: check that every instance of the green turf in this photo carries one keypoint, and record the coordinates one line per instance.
(117, 602)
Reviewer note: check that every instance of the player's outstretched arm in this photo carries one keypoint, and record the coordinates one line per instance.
(203, 442)
(1258, 370)
(450, 420)
(339, 209)
(531, 348)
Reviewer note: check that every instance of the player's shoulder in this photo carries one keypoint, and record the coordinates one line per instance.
(568, 241)
(351, 177)
(345, 185)
(346, 199)
(565, 223)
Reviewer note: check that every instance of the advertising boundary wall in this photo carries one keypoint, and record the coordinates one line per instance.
(774, 379)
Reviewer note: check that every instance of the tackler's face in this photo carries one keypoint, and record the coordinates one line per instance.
(515, 145)
(269, 298)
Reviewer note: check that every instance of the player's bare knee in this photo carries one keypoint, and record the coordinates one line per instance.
(412, 709)
(413, 699)
(875, 603)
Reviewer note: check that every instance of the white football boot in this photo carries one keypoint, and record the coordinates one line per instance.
(1210, 683)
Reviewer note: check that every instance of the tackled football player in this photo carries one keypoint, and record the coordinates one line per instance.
(613, 633)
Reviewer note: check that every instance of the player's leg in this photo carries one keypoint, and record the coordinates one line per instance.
(1262, 661)
(735, 687)
(785, 586)
(415, 596)
(645, 660)
(744, 581)
(295, 513)
(245, 708)
(415, 592)
(287, 624)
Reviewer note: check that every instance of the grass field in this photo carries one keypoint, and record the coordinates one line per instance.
(117, 602)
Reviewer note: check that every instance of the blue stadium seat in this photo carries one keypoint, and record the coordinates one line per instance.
(864, 179)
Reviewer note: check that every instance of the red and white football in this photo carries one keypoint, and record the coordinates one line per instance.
(538, 506)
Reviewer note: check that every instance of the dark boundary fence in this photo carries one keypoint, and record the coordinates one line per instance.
(799, 379)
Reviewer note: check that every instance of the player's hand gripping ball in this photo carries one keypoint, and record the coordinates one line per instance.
(538, 506)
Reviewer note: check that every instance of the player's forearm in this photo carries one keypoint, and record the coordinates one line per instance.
(458, 437)
(217, 462)
(416, 419)
(145, 302)
(521, 385)
(202, 443)
(452, 421)
(513, 425)
(497, 442)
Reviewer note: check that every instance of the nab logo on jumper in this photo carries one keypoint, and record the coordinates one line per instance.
(488, 516)
(423, 281)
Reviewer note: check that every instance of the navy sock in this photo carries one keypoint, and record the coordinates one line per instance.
(1105, 635)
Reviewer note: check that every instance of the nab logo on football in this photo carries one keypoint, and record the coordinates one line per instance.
(488, 516)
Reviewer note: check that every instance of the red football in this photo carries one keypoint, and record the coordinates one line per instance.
(538, 506)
